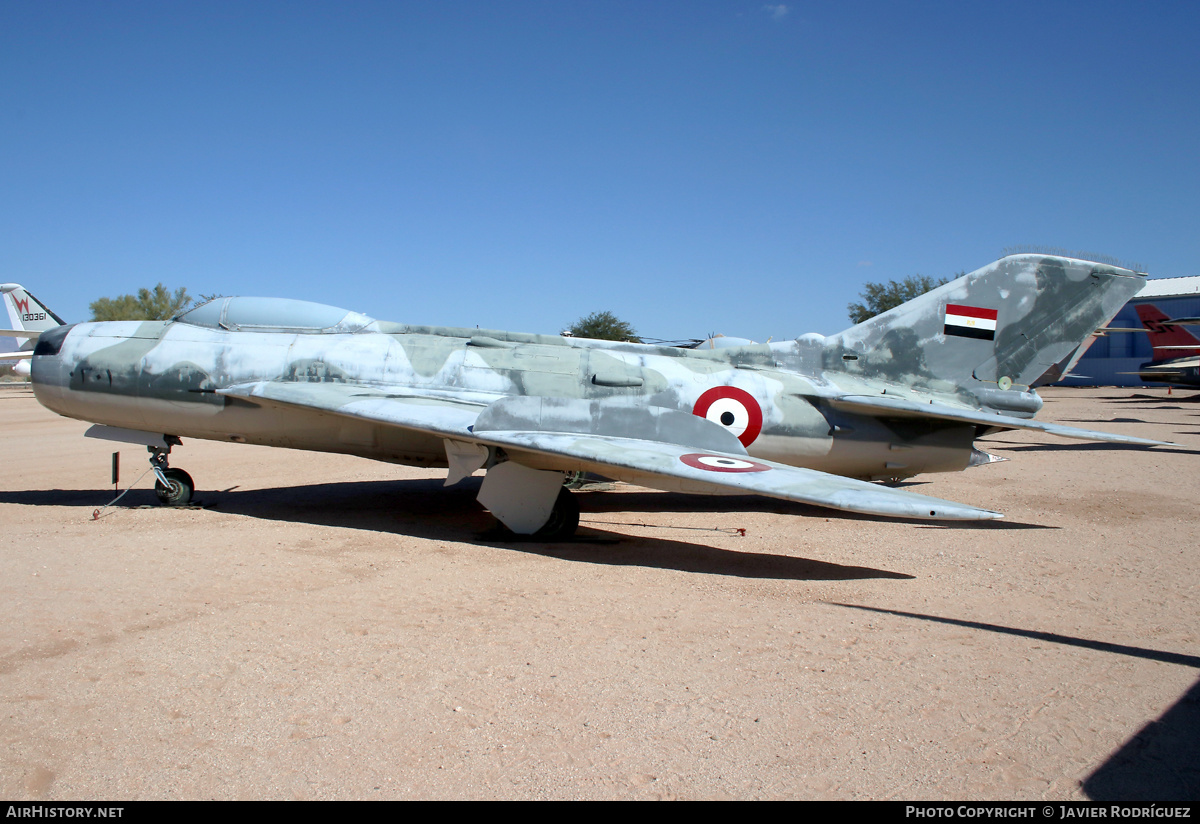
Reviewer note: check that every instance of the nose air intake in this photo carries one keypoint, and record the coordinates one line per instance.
(50, 343)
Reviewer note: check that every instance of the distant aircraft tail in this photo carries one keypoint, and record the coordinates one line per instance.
(25, 312)
(27, 317)
(992, 333)
(1169, 340)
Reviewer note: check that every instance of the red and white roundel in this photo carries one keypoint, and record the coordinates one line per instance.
(733, 408)
(721, 463)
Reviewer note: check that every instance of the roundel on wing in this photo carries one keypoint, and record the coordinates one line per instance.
(721, 463)
(733, 408)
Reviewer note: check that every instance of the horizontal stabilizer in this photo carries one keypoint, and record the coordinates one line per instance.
(1166, 366)
(901, 408)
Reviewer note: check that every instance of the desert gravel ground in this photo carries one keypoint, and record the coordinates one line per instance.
(327, 627)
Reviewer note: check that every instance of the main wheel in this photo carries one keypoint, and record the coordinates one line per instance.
(564, 518)
(179, 491)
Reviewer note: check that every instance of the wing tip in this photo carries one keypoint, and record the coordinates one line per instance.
(941, 510)
(966, 515)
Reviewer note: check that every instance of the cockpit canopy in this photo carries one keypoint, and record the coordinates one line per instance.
(274, 315)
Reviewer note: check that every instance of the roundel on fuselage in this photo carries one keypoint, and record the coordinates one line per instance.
(733, 408)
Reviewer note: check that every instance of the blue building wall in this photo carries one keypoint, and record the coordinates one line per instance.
(1123, 352)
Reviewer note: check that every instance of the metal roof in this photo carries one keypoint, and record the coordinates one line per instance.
(1170, 287)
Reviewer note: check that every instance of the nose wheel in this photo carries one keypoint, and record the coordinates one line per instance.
(178, 489)
(174, 487)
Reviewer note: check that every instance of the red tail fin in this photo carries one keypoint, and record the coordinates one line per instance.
(1163, 335)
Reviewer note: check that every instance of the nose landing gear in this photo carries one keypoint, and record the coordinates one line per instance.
(174, 487)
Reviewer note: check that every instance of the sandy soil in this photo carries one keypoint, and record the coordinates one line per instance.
(328, 627)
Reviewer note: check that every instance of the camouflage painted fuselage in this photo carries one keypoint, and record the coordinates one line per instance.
(162, 377)
(798, 406)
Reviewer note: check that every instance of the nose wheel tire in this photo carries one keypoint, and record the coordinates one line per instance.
(179, 488)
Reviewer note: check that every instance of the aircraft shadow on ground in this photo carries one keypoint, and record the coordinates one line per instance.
(1105, 421)
(1153, 401)
(1017, 446)
(1159, 763)
(425, 509)
(651, 501)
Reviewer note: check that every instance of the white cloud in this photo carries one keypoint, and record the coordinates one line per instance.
(778, 11)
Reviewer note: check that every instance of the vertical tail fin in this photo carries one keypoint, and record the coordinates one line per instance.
(1169, 340)
(22, 313)
(1000, 327)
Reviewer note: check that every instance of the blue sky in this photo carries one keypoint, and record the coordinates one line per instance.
(693, 166)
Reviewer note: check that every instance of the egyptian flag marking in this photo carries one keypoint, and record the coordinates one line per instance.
(970, 322)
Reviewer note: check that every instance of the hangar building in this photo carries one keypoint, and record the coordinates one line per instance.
(1112, 357)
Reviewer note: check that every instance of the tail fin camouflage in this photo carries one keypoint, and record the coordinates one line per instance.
(1001, 327)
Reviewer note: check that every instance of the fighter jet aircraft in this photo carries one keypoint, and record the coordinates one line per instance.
(27, 318)
(814, 419)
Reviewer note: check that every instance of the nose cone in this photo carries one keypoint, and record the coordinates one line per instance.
(48, 374)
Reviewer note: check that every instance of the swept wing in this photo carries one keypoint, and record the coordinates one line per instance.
(677, 450)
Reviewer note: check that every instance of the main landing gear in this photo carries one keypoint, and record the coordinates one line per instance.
(174, 487)
(564, 518)
(530, 501)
